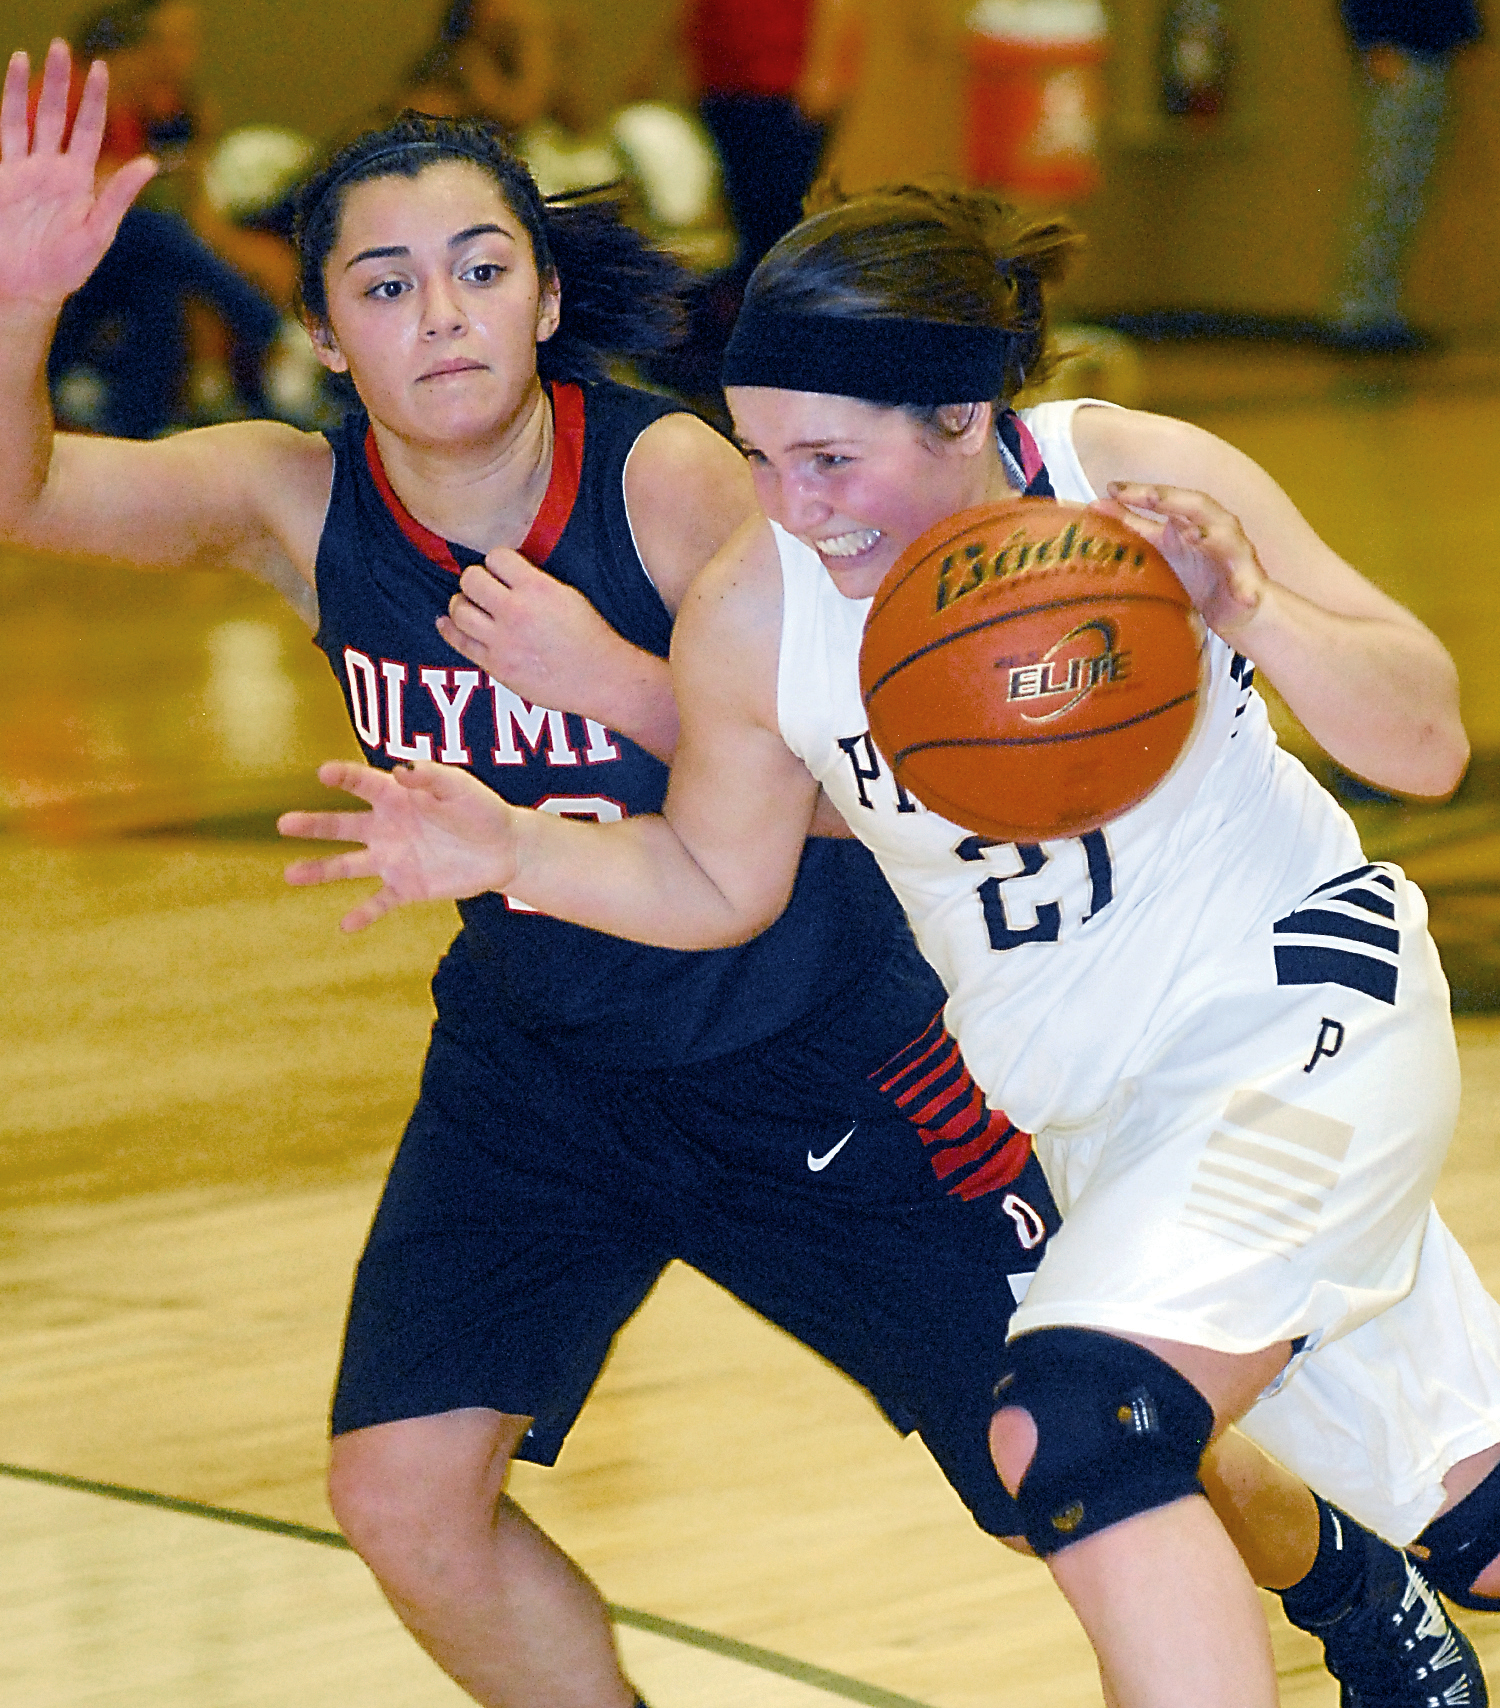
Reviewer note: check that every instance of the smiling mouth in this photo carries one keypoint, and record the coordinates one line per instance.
(850, 545)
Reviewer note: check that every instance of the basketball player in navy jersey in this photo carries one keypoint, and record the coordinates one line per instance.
(576, 1085)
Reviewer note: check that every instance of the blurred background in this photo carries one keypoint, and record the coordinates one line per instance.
(1235, 209)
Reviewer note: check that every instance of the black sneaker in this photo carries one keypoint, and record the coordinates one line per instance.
(1392, 1645)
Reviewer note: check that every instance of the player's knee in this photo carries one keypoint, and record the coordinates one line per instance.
(419, 1490)
(1093, 1430)
(1460, 1551)
(1012, 1444)
(369, 1501)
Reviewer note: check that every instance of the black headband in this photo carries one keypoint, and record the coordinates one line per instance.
(881, 361)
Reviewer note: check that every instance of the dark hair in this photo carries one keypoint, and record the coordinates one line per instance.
(113, 29)
(923, 252)
(620, 297)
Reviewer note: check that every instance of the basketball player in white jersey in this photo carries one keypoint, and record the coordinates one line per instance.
(418, 1490)
(1229, 1030)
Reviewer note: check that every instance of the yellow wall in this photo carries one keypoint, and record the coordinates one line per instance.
(1245, 216)
(1242, 214)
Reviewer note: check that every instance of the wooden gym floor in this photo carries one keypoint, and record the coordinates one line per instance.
(203, 1080)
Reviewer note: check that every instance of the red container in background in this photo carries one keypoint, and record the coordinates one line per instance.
(1035, 96)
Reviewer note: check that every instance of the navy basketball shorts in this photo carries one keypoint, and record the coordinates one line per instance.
(843, 1178)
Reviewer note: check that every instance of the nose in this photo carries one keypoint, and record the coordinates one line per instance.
(442, 309)
(802, 507)
(787, 498)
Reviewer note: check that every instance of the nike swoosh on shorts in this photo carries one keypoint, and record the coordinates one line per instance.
(818, 1163)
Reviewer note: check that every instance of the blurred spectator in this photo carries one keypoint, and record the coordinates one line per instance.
(493, 59)
(152, 48)
(499, 60)
(170, 108)
(147, 104)
(248, 188)
(502, 60)
(1196, 56)
(121, 360)
(769, 80)
(1407, 47)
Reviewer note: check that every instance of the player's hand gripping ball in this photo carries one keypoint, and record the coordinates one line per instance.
(1031, 670)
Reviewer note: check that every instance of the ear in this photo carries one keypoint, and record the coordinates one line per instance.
(326, 346)
(549, 308)
(967, 427)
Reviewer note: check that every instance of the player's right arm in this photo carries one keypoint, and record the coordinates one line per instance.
(247, 496)
(714, 868)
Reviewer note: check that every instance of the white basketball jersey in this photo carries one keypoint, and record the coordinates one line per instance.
(1065, 960)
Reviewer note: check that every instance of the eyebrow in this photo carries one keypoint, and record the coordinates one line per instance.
(800, 445)
(387, 251)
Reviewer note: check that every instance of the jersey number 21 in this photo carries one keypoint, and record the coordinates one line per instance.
(1047, 922)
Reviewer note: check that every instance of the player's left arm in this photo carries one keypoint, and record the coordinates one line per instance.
(1373, 685)
(686, 491)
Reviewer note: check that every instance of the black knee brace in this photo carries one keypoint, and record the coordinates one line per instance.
(1455, 1548)
(1119, 1432)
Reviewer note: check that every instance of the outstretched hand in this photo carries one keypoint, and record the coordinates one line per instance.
(1205, 545)
(55, 224)
(434, 833)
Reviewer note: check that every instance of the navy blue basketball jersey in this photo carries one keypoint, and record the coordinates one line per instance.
(382, 581)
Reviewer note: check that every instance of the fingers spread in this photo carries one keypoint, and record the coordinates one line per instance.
(355, 779)
(372, 908)
(324, 826)
(88, 125)
(361, 780)
(52, 106)
(119, 192)
(13, 126)
(338, 866)
(332, 868)
(427, 777)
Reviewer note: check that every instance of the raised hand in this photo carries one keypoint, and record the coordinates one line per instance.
(55, 223)
(434, 833)
(1205, 545)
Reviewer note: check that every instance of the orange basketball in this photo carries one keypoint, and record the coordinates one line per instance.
(1031, 670)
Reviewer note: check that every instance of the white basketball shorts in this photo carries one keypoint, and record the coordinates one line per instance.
(1265, 1173)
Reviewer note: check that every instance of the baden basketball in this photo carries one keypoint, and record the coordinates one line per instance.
(1031, 670)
